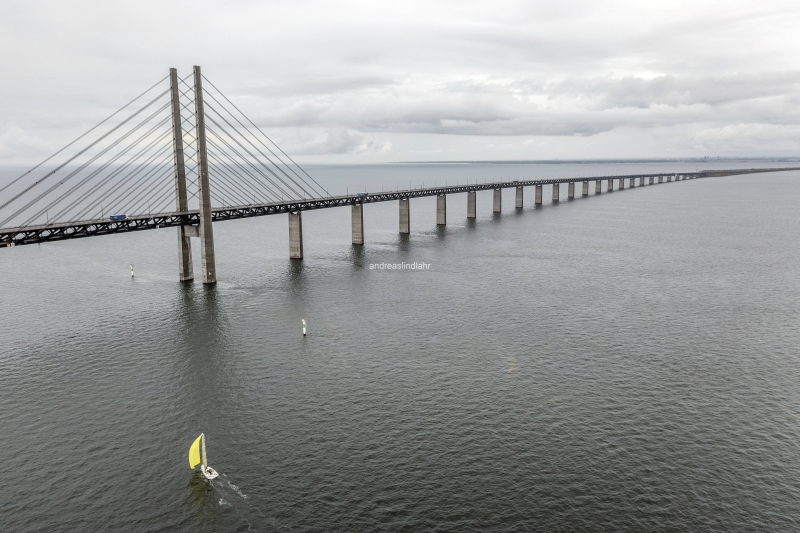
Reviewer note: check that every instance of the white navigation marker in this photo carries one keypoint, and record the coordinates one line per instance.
(304, 327)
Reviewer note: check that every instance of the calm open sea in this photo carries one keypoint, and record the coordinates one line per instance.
(622, 362)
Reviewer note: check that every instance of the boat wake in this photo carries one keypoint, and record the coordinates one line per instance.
(232, 496)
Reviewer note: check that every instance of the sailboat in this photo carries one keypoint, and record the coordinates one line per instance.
(197, 456)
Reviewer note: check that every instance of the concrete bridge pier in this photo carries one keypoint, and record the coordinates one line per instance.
(669, 178)
(518, 198)
(405, 216)
(471, 204)
(621, 183)
(538, 200)
(571, 190)
(585, 188)
(598, 186)
(651, 180)
(358, 224)
(610, 185)
(441, 209)
(296, 235)
(556, 194)
(641, 182)
(661, 179)
(497, 204)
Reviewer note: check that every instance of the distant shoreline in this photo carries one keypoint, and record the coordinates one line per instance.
(596, 161)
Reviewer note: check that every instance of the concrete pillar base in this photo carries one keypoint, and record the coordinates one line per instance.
(571, 190)
(598, 186)
(610, 186)
(471, 204)
(651, 180)
(538, 200)
(405, 216)
(207, 256)
(556, 192)
(358, 224)
(518, 198)
(497, 202)
(585, 190)
(441, 210)
(621, 183)
(185, 267)
(296, 235)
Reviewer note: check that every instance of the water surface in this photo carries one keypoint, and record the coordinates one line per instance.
(622, 362)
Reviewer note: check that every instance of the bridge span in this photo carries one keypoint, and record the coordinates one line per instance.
(40, 233)
(128, 168)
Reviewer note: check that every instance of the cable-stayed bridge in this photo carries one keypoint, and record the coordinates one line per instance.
(182, 154)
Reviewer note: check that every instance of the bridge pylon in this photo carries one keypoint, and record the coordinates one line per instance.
(206, 232)
(185, 268)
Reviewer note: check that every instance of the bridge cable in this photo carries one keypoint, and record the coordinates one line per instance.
(6, 186)
(253, 180)
(146, 195)
(80, 168)
(130, 191)
(102, 168)
(237, 183)
(260, 152)
(141, 166)
(229, 189)
(255, 168)
(234, 187)
(265, 135)
(230, 184)
(46, 176)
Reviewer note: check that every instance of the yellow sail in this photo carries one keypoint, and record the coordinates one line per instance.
(194, 452)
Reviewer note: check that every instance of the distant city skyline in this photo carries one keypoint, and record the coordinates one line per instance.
(423, 81)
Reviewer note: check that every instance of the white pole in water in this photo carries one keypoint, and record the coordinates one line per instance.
(131, 270)
(304, 327)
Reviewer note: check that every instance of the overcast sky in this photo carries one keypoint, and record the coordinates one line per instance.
(430, 80)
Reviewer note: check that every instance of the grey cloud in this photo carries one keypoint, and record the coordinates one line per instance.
(340, 141)
(674, 91)
(317, 86)
(349, 77)
(572, 106)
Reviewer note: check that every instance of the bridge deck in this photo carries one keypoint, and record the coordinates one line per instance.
(106, 226)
